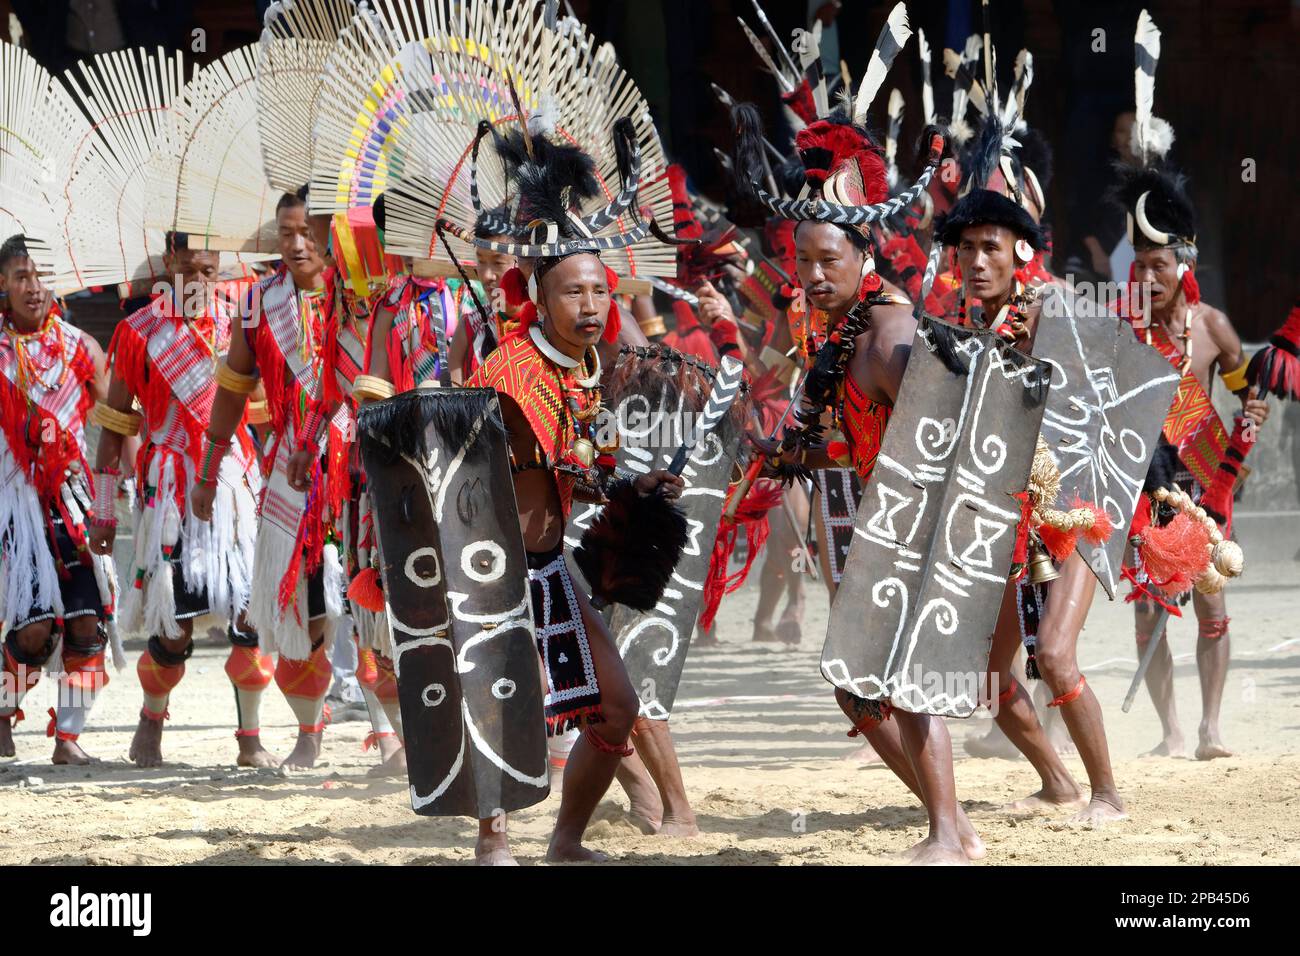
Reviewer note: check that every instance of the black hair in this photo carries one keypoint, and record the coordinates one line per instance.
(15, 247)
(177, 240)
(292, 200)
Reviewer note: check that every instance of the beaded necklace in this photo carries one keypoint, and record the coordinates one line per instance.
(38, 353)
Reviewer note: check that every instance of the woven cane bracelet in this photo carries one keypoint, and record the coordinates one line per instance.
(103, 514)
(233, 381)
(372, 388)
(210, 464)
(126, 424)
(258, 413)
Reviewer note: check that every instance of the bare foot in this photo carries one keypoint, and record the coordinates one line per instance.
(146, 745)
(1171, 746)
(1062, 743)
(992, 744)
(790, 632)
(1099, 812)
(971, 843)
(865, 754)
(253, 754)
(573, 853)
(6, 739)
(69, 752)
(644, 824)
(930, 852)
(679, 827)
(1047, 801)
(305, 752)
(394, 765)
(493, 850)
(1211, 746)
(763, 634)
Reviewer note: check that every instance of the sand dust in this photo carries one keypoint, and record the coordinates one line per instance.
(763, 750)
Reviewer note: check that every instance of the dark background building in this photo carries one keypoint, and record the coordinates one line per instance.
(1227, 79)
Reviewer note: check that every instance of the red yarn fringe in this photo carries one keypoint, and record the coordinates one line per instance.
(1176, 554)
(366, 591)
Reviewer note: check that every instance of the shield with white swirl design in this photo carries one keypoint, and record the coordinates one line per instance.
(1107, 402)
(935, 532)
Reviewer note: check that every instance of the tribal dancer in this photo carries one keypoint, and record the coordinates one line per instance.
(54, 595)
(165, 357)
(1196, 338)
(995, 237)
(298, 580)
(851, 311)
(535, 374)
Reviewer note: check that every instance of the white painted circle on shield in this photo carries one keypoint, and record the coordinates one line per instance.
(503, 689)
(497, 569)
(1129, 438)
(423, 580)
(433, 695)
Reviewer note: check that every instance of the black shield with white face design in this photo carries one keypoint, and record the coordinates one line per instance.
(914, 615)
(455, 584)
(1108, 399)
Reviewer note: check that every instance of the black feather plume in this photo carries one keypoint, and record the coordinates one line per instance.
(632, 547)
(402, 423)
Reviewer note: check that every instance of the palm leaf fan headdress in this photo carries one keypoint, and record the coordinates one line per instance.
(121, 181)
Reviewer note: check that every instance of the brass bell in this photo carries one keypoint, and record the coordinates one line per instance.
(1041, 568)
(585, 452)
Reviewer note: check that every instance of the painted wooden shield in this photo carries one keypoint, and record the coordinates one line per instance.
(1107, 402)
(653, 644)
(456, 587)
(914, 615)
(838, 493)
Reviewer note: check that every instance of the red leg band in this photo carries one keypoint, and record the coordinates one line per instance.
(603, 745)
(1212, 630)
(372, 739)
(1071, 696)
(255, 732)
(1007, 694)
(52, 728)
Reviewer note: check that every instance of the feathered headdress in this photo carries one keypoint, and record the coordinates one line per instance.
(40, 127)
(1153, 195)
(995, 177)
(405, 96)
(844, 170)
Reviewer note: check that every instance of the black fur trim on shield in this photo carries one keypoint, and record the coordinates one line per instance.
(399, 423)
(629, 552)
(943, 340)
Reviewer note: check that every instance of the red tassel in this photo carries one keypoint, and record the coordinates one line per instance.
(1176, 554)
(1276, 367)
(685, 225)
(752, 512)
(1141, 517)
(1059, 544)
(366, 590)
(1191, 289)
(1102, 526)
(615, 320)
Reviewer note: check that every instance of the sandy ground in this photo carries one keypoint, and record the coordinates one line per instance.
(765, 758)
